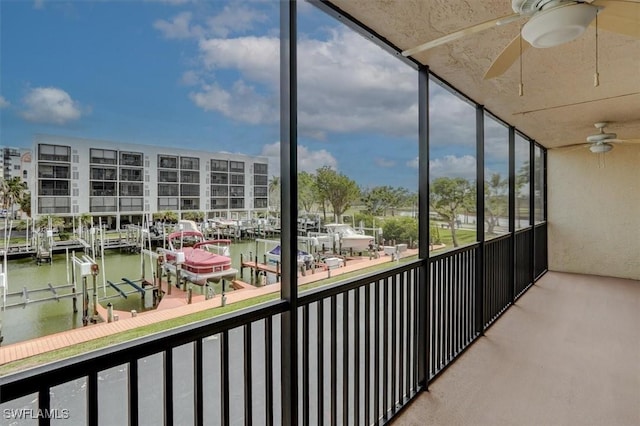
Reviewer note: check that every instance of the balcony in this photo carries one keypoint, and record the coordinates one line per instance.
(565, 353)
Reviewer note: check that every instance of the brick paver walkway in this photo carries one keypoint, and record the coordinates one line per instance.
(171, 306)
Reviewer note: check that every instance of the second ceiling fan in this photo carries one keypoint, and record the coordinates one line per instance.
(550, 23)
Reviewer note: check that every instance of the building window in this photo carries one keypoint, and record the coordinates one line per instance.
(237, 203)
(131, 204)
(167, 203)
(53, 187)
(236, 191)
(219, 203)
(219, 165)
(260, 180)
(54, 153)
(260, 191)
(260, 169)
(102, 189)
(130, 190)
(237, 179)
(260, 203)
(52, 171)
(219, 178)
(168, 190)
(190, 190)
(189, 204)
(134, 175)
(219, 191)
(102, 204)
(189, 163)
(167, 176)
(236, 166)
(103, 156)
(189, 177)
(130, 159)
(167, 162)
(103, 173)
(54, 205)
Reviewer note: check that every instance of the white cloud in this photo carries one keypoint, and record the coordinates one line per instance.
(38, 4)
(50, 105)
(179, 27)
(190, 78)
(413, 163)
(3, 102)
(242, 103)
(308, 160)
(234, 19)
(453, 166)
(346, 83)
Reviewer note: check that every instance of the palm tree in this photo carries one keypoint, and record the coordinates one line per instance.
(274, 192)
(12, 192)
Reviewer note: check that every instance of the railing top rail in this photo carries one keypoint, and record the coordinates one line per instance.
(523, 230)
(16, 385)
(498, 239)
(349, 284)
(454, 252)
(540, 224)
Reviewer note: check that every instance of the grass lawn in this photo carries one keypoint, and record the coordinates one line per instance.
(84, 347)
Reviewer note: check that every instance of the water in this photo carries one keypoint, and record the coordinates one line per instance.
(44, 318)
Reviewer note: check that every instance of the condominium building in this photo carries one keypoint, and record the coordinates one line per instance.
(121, 182)
(15, 162)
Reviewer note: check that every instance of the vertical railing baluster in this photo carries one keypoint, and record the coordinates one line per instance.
(305, 364)
(416, 329)
(345, 358)
(248, 377)
(385, 349)
(402, 350)
(356, 356)
(320, 348)
(334, 360)
(268, 371)
(376, 352)
(133, 392)
(168, 387)
(92, 397)
(394, 346)
(198, 377)
(224, 376)
(44, 405)
(367, 354)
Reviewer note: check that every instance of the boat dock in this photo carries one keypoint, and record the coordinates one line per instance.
(171, 306)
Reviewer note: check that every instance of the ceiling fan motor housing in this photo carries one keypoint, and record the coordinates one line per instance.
(558, 24)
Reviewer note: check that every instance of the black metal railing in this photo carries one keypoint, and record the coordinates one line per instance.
(197, 355)
(360, 367)
(358, 357)
(452, 300)
(523, 261)
(498, 277)
(540, 250)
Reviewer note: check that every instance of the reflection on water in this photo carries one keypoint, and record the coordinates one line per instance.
(39, 319)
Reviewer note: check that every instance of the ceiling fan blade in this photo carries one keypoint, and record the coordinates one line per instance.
(619, 16)
(506, 58)
(625, 141)
(461, 33)
(573, 145)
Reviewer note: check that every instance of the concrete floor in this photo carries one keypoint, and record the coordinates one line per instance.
(567, 353)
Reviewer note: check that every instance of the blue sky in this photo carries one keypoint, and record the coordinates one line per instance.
(204, 75)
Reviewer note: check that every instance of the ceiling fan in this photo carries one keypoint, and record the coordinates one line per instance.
(601, 142)
(550, 23)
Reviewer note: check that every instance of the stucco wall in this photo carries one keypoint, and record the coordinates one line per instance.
(594, 212)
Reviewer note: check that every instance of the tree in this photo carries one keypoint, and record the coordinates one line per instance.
(449, 197)
(400, 229)
(379, 199)
(307, 192)
(12, 191)
(495, 201)
(337, 189)
(274, 193)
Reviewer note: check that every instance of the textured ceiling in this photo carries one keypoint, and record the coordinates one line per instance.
(560, 103)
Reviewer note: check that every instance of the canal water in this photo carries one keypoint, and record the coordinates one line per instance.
(34, 319)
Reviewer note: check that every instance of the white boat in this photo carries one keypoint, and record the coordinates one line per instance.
(304, 258)
(349, 238)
